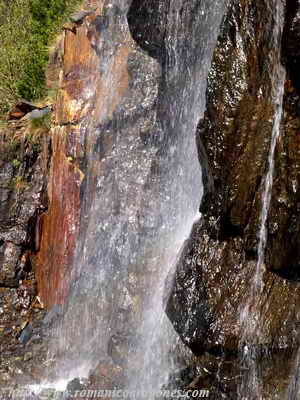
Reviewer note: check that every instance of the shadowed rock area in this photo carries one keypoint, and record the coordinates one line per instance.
(214, 275)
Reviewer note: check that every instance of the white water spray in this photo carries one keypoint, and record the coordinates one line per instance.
(137, 220)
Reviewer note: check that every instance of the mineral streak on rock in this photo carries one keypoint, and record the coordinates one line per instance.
(75, 104)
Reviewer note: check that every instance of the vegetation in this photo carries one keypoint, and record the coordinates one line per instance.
(38, 128)
(27, 27)
(19, 183)
(16, 140)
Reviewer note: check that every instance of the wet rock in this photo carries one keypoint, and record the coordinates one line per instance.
(212, 281)
(291, 37)
(59, 226)
(188, 308)
(10, 256)
(75, 384)
(232, 201)
(53, 315)
(83, 92)
(147, 21)
(285, 259)
(26, 334)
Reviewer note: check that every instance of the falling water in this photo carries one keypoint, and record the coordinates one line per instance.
(139, 207)
(250, 318)
(294, 386)
(192, 31)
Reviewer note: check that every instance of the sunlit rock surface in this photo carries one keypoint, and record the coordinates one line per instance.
(78, 82)
(102, 65)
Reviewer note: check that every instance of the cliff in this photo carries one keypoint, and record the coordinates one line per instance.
(220, 259)
(233, 136)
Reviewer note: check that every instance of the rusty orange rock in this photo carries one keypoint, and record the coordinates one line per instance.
(58, 228)
(82, 94)
(59, 225)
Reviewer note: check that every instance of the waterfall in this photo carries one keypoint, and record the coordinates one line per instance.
(137, 220)
(141, 200)
(183, 104)
(251, 342)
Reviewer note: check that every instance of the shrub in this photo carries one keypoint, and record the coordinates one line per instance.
(26, 29)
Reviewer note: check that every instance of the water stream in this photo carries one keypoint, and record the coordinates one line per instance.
(251, 342)
(141, 210)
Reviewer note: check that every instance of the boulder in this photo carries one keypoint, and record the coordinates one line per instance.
(22, 108)
(79, 16)
(39, 113)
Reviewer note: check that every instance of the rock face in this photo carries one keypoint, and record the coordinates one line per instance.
(234, 140)
(23, 169)
(22, 176)
(214, 275)
(123, 126)
(105, 99)
(75, 103)
(95, 52)
(283, 249)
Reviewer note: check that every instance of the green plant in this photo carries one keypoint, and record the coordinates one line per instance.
(27, 27)
(42, 122)
(9, 150)
(38, 128)
(19, 183)
(16, 163)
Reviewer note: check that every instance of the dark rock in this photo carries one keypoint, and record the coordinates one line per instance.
(22, 184)
(212, 280)
(22, 108)
(74, 385)
(284, 221)
(26, 334)
(148, 21)
(291, 37)
(188, 308)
